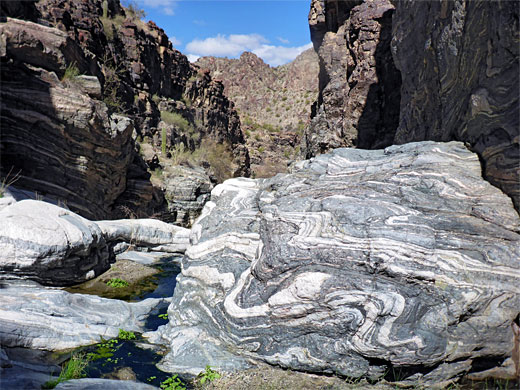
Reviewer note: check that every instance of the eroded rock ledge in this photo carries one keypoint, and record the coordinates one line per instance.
(357, 263)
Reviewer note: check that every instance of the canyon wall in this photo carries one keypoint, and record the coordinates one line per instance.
(393, 72)
(82, 81)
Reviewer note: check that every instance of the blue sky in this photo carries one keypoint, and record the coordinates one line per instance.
(277, 30)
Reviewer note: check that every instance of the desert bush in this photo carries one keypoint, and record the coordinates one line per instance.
(176, 119)
(71, 72)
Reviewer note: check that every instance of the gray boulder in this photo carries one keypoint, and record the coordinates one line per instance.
(32, 316)
(104, 384)
(49, 244)
(358, 263)
(146, 232)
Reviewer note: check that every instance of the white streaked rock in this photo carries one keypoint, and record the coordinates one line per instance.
(355, 263)
(36, 317)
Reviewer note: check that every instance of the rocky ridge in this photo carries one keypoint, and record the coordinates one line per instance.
(356, 263)
(274, 104)
(393, 72)
(85, 63)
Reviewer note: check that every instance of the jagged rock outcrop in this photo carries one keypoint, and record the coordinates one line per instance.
(358, 103)
(274, 103)
(62, 83)
(459, 64)
(357, 263)
(263, 93)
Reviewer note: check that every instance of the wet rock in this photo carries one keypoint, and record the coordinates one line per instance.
(36, 317)
(105, 384)
(49, 244)
(357, 263)
(25, 369)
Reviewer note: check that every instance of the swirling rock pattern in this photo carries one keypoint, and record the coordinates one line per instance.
(355, 263)
(460, 76)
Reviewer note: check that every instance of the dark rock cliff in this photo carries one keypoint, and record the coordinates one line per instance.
(70, 71)
(401, 71)
(459, 62)
(358, 103)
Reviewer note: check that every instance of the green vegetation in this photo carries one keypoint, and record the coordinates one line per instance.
(74, 369)
(156, 99)
(105, 350)
(113, 75)
(126, 335)
(163, 316)
(117, 283)
(208, 375)
(163, 141)
(177, 120)
(261, 149)
(133, 10)
(71, 72)
(172, 383)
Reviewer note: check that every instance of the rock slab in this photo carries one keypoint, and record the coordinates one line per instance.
(36, 317)
(51, 245)
(357, 263)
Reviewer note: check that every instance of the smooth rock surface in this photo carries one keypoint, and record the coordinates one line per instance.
(36, 317)
(104, 384)
(146, 232)
(357, 263)
(49, 244)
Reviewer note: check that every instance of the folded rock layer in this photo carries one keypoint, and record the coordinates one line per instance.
(357, 263)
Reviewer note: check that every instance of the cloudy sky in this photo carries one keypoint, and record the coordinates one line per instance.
(275, 30)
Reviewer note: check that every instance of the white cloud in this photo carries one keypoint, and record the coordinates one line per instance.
(279, 55)
(192, 57)
(283, 40)
(175, 41)
(199, 22)
(225, 46)
(233, 45)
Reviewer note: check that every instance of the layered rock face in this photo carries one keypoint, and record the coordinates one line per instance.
(459, 64)
(61, 86)
(357, 263)
(62, 141)
(274, 103)
(358, 104)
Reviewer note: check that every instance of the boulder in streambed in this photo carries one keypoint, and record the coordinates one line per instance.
(358, 263)
(36, 317)
(51, 245)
